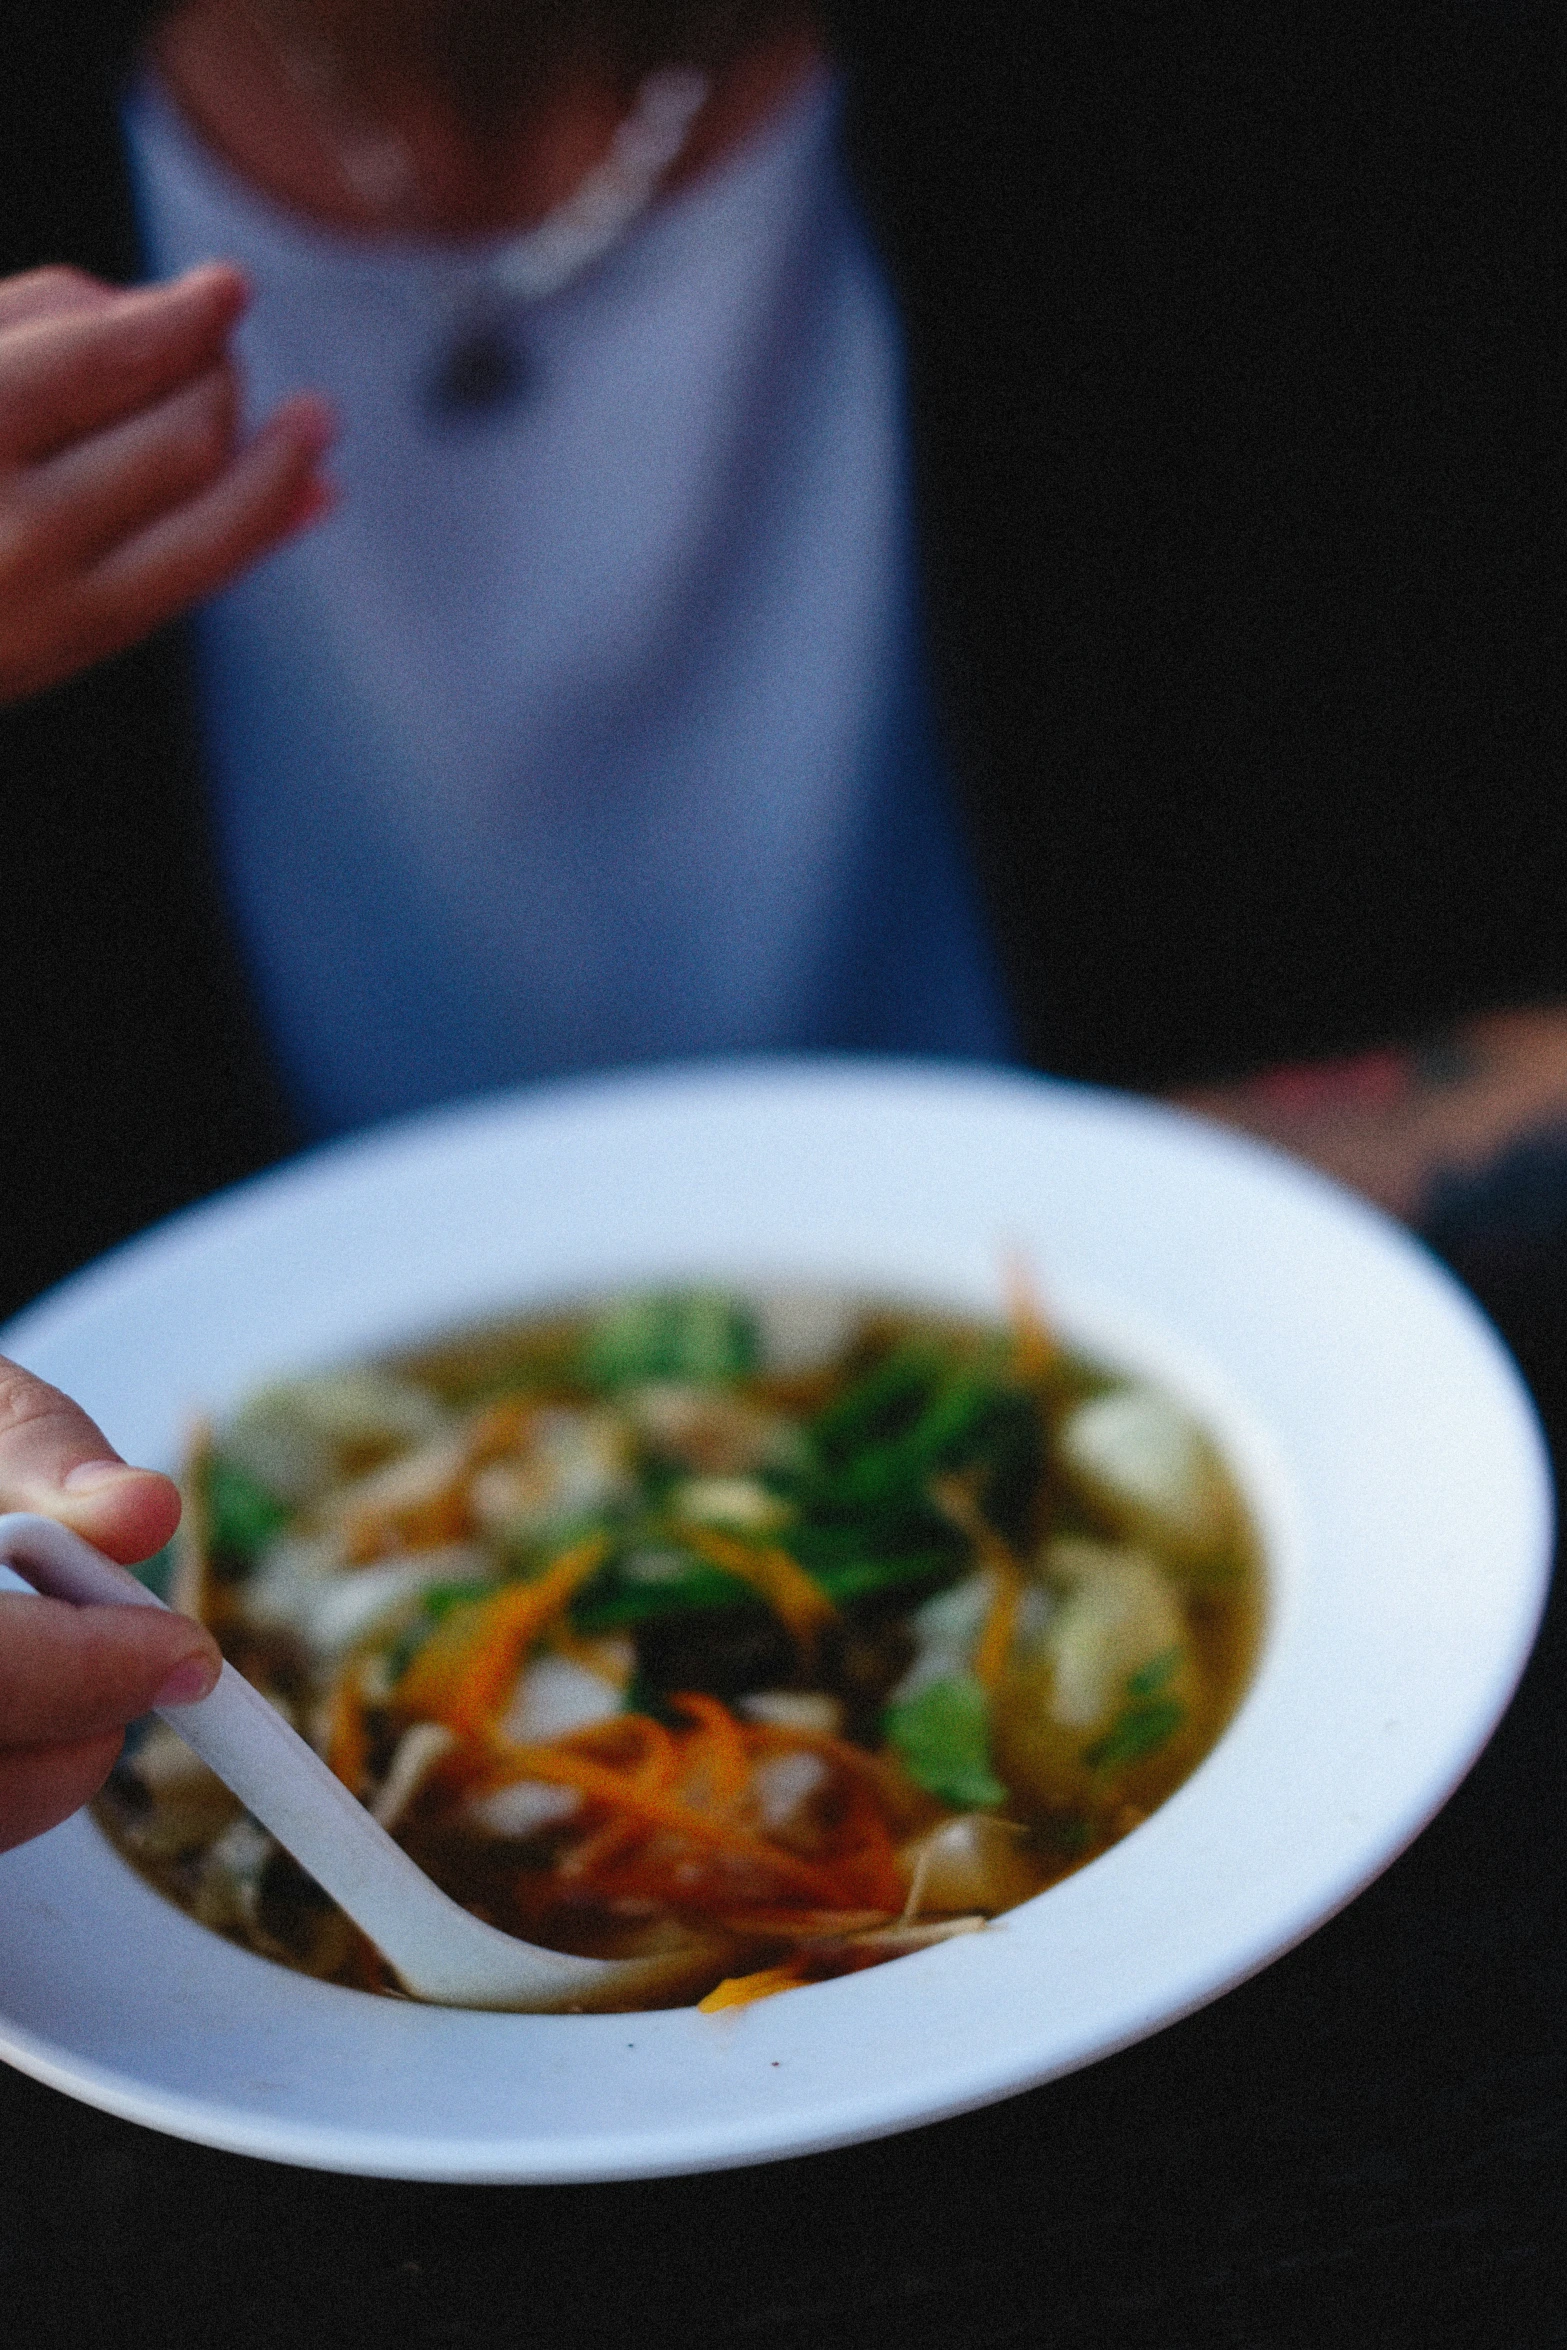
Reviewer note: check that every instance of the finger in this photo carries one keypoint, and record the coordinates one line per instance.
(55, 1460)
(85, 500)
(50, 293)
(68, 1673)
(67, 376)
(268, 492)
(41, 1786)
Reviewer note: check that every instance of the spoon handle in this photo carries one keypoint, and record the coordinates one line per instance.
(440, 1950)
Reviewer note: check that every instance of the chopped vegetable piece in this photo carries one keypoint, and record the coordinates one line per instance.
(1149, 1679)
(788, 1590)
(242, 1515)
(1146, 1465)
(1138, 1731)
(743, 1990)
(348, 1746)
(942, 1737)
(974, 1862)
(464, 1672)
(698, 1335)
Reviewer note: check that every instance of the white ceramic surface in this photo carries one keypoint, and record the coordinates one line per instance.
(1387, 1446)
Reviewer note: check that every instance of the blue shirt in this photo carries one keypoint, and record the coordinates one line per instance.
(594, 727)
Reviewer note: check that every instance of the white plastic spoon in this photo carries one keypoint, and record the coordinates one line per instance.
(439, 1952)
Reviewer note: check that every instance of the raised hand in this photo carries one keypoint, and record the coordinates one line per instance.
(125, 496)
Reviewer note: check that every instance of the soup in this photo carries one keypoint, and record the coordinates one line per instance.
(778, 1634)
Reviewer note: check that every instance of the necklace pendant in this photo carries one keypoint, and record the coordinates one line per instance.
(481, 372)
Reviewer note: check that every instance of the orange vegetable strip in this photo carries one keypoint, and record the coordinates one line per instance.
(1034, 1344)
(464, 1671)
(795, 1598)
(613, 1789)
(867, 1857)
(723, 1745)
(741, 1990)
(662, 1760)
(994, 1644)
(956, 1502)
(348, 1744)
(612, 1742)
(863, 1869)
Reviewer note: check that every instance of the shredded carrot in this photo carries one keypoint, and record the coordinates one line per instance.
(867, 1862)
(348, 1743)
(560, 1767)
(717, 1754)
(464, 1671)
(661, 1763)
(1034, 1345)
(994, 1645)
(741, 1990)
(956, 1502)
(634, 1743)
(795, 1598)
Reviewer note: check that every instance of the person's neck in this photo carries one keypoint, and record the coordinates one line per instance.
(234, 85)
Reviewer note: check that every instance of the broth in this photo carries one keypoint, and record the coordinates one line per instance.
(790, 1633)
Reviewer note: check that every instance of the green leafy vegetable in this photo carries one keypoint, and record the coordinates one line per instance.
(614, 1599)
(1135, 1733)
(691, 1334)
(942, 1736)
(1150, 1678)
(1071, 1835)
(242, 1516)
(916, 1415)
(859, 1578)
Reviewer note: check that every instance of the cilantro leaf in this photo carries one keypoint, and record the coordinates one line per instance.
(942, 1737)
(1138, 1731)
(689, 1334)
(242, 1516)
(1150, 1678)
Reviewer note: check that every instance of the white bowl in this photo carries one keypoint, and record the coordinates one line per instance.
(1387, 1446)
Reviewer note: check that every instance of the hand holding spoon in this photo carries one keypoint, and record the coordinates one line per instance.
(438, 1951)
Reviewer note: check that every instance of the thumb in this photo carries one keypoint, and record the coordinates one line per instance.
(55, 1460)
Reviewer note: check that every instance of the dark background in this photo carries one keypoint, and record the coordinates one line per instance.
(1366, 2144)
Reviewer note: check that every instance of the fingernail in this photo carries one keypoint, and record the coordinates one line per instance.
(190, 1681)
(235, 282)
(87, 1476)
